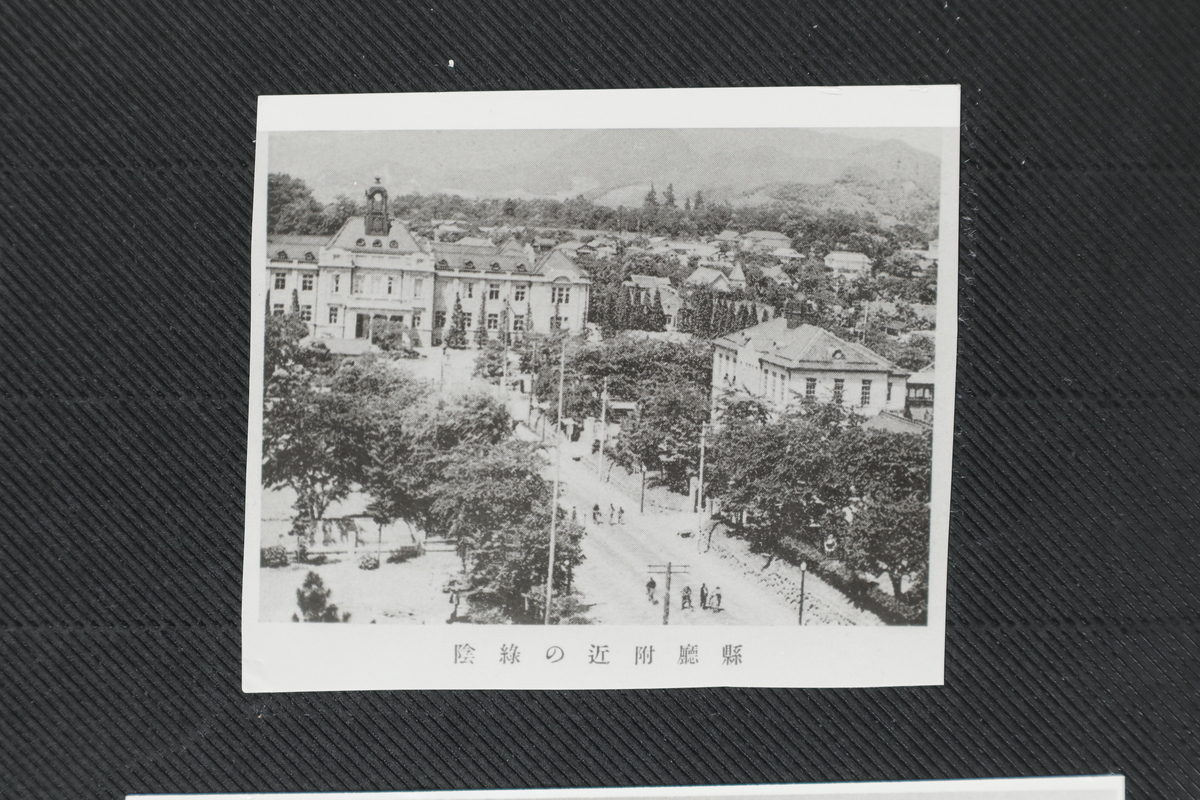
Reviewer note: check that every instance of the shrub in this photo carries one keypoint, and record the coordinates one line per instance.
(274, 556)
(369, 561)
(400, 556)
(313, 599)
(303, 556)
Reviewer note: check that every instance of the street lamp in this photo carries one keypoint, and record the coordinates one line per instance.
(803, 573)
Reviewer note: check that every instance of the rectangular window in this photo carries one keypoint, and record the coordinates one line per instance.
(773, 390)
(356, 284)
(560, 294)
(391, 283)
(889, 392)
(277, 310)
(376, 284)
(466, 319)
(416, 321)
(439, 319)
(470, 290)
(518, 322)
(555, 323)
(418, 288)
(306, 282)
(519, 293)
(337, 283)
(333, 315)
(839, 387)
(306, 313)
(493, 322)
(280, 280)
(493, 291)
(670, 320)
(810, 388)
(866, 393)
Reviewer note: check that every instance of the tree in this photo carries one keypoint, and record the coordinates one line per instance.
(390, 336)
(651, 200)
(528, 318)
(295, 303)
(281, 349)
(698, 203)
(669, 196)
(664, 433)
(290, 205)
(481, 334)
(457, 338)
(622, 315)
(658, 317)
(313, 599)
(489, 363)
(687, 204)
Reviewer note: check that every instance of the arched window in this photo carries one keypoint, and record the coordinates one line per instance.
(377, 243)
(281, 255)
(520, 267)
(495, 266)
(393, 244)
(309, 256)
(361, 243)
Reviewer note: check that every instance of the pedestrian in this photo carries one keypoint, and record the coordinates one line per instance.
(716, 598)
(685, 598)
(596, 513)
(650, 587)
(621, 515)
(572, 513)
(704, 596)
(612, 512)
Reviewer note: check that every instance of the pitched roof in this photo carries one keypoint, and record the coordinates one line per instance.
(727, 235)
(847, 258)
(288, 246)
(457, 255)
(768, 235)
(475, 241)
(736, 275)
(706, 276)
(806, 347)
(352, 233)
(649, 281)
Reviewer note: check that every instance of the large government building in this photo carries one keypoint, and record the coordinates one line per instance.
(373, 268)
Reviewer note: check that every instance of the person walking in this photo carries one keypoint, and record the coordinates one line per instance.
(685, 598)
(703, 596)
(596, 513)
(716, 597)
(621, 515)
(650, 587)
(612, 513)
(572, 513)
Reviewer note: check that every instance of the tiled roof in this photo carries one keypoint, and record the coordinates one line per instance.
(288, 246)
(352, 233)
(706, 276)
(458, 255)
(806, 347)
(847, 258)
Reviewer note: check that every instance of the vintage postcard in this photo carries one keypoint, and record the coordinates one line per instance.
(1104, 787)
(601, 389)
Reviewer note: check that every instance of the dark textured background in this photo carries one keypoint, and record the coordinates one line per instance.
(126, 143)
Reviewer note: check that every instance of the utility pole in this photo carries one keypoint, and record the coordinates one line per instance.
(803, 572)
(668, 569)
(603, 428)
(642, 504)
(562, 372)
(700, 487)
(504, 369)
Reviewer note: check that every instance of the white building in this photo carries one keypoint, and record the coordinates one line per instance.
(786, 362)
(374, 269)
(847, 264)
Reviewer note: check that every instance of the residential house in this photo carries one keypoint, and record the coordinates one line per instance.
(713, 278)
(765, 241)
(919, 398)
(847, 264)
(776, 273)
(787, 362)
(667, 293)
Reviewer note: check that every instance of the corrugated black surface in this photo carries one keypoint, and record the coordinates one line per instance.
(126, 136)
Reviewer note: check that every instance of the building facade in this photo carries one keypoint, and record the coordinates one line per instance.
(785, 362)
(373, 269)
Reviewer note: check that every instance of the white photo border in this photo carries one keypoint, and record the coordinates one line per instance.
(1098, 787)
(284, 657)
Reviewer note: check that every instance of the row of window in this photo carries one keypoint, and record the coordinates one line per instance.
(379, 286)
(560, 295)
(774, 386)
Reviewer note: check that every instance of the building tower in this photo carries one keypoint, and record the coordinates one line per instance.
(377, 222)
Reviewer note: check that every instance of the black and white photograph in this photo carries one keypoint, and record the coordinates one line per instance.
(603, 377)
(1100, 787)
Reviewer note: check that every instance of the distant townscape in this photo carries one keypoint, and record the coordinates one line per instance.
(708, 413)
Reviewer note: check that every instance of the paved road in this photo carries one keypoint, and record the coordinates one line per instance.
(613, 577)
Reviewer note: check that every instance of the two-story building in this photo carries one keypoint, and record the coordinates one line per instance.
(374, 269)
(786, 362)
(847, 264)
(509, 285)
